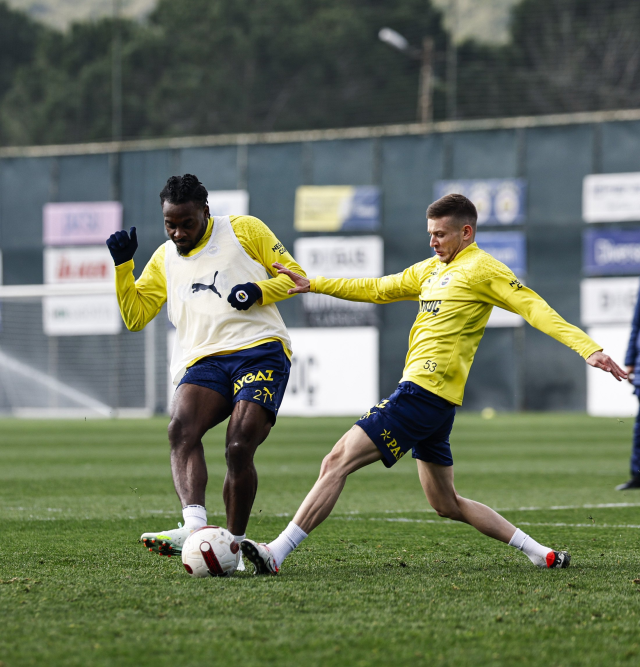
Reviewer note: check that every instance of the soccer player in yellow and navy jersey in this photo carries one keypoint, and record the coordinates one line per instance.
(456, 291)
(232, 351)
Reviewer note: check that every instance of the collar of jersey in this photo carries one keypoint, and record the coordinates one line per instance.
(203, 241)
(473, 246)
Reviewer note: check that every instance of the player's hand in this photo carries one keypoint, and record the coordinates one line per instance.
(242, 297)
(301, 283)
(630, 374)
(123, 246)
(606, 363)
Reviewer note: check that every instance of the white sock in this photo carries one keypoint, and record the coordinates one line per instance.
(195, 516)
(536, 552)
(286, 542)
(238, 539)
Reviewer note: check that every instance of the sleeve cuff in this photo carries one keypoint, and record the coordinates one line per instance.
(126, 267)
(591, 350)
(312, 284)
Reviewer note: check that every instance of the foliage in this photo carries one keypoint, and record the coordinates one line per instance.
(216, 66)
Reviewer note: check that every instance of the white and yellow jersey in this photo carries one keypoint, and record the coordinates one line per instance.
(455, 300)
(233, 250)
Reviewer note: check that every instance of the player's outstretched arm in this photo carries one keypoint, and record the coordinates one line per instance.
(302, 283)
(403, 286)
(606, 363)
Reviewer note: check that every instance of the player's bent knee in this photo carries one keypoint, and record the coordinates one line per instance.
(180, 434)
(238, 454)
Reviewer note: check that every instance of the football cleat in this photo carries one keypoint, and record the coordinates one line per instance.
(261, 557)
(168, 543)
(558, 559)
(633, 483)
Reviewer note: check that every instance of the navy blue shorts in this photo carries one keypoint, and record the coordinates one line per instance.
(411, 418)
(259, 375)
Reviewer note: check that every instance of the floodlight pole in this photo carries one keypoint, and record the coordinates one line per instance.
(116, 75)
(425, 56)
(425, 107)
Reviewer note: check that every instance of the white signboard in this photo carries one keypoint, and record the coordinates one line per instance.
(605, 396)
(340, 256)
(81, 315)
(78, 265)
(334, 372)
(608, 300)
(228, 202)
(82, 223)
(611, 197)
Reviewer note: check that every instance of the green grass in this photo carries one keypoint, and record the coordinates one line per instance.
(383, 582)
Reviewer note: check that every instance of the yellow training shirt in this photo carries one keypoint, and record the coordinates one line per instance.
(456, 300)
(141, 300)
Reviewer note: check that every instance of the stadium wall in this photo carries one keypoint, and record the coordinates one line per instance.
(514, 368)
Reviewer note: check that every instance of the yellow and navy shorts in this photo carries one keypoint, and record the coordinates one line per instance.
(259, 375)
(412, 418)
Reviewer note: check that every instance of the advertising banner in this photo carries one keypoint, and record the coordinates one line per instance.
(80, 315)
(611, 252)
(500, 201)
(228, 202)
(334, 208)
(339, 257)
(605, 396)
(322, 358)
(608, 300)
(510, 248)
(78, 265)
(611, 197)
(82, 223)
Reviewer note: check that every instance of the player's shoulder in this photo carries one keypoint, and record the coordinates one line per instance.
(479, 265)
(249, 225)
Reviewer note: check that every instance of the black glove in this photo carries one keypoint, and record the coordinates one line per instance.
(244, 296)
(122, 246)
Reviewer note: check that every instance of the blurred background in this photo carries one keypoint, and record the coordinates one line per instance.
(336, 122)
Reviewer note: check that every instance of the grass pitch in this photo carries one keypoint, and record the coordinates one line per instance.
(383, 582)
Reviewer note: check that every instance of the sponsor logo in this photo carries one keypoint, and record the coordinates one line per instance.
(250, 378)
(430, 306)
(279, 248)
(197, 287)
(392, 444)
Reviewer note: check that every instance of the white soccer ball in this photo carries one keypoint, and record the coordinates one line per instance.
(210, 551)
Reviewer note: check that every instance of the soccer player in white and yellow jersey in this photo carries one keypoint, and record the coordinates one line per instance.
(232, 351)
(456, 291)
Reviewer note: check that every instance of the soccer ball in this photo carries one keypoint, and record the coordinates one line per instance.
(210, 551)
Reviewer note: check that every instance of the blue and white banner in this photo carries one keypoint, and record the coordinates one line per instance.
(500, 201)
(611, 252)
(510, 248)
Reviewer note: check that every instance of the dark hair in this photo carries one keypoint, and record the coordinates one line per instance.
(182, 189)
(461, 209)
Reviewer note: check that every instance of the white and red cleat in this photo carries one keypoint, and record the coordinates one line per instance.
(261, 557)
(558, 559)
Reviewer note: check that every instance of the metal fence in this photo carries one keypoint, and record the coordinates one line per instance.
(514, 368)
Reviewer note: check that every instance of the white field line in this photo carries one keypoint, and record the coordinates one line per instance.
(520, 523)
(587, 506)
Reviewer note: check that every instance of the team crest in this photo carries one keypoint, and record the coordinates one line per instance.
(446, 280)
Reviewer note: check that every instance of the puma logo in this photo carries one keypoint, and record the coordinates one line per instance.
(196, 287)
